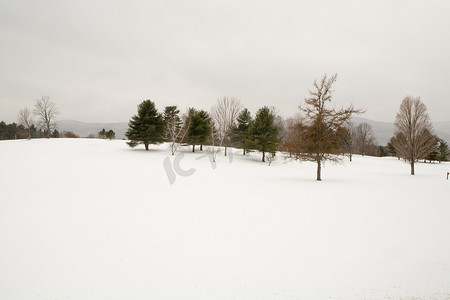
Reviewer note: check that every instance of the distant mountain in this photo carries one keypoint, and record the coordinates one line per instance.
(383, 130)
(84, 129)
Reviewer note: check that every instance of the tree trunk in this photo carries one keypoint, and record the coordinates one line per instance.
(263, 156)
(319, 169)
(225, 150)
(350, 156)
(193, 148)
(146, 146)
(48, 129)
(201, 147)
(243, 151)
(412, 168)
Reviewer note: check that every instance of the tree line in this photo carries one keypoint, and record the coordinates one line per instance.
(14, 131)
(28, 127)
(318, 134)
(44, 126)
(226, 125)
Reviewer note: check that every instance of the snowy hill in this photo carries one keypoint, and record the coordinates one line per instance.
(94, 219)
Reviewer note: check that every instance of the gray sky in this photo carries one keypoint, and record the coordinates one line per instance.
(97, 60)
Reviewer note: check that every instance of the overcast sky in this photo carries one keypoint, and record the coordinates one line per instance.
(97, 60)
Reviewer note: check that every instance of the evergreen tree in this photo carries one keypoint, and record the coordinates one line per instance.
(199, 129)
(102, 134)
(12, 131)
(391, 148)
(172, 122)
(382, 151)
(147, 127)
(432, 156)
(55, 134)
(176, 127)
(263, 134)
(110, 134)
(443, 150)
(240, 132)
(2, 130)
(34, 132)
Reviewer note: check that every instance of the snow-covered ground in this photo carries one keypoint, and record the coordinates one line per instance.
(94, 219)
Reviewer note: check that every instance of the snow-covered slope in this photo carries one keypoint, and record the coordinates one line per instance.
(93, 219)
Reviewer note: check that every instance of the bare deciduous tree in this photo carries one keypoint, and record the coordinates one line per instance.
(319, 136)
(214, 138)
(347, 139)
(26, 120)
(364, 138)
(181, 135)
(413, 137)
(176, 127)
(224, 115)
(293, 136)
(46, 112)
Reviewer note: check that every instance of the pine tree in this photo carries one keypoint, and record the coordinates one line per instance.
(172, 122)
(175, 129)
(263, 134)
(391, 148)
(240, 132)
(443, 150)
(2, 130)
(34, 132)
(55, 134)
(147, 127)
(102, 134)
(110, 134)
(199, 129)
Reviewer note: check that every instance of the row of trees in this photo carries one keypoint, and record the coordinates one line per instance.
(321, 134)
(44, 125)
(227, 124)
(17, 131)
(103, 134)
(317, 137)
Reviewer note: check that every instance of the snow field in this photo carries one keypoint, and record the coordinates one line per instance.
(94, 219)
